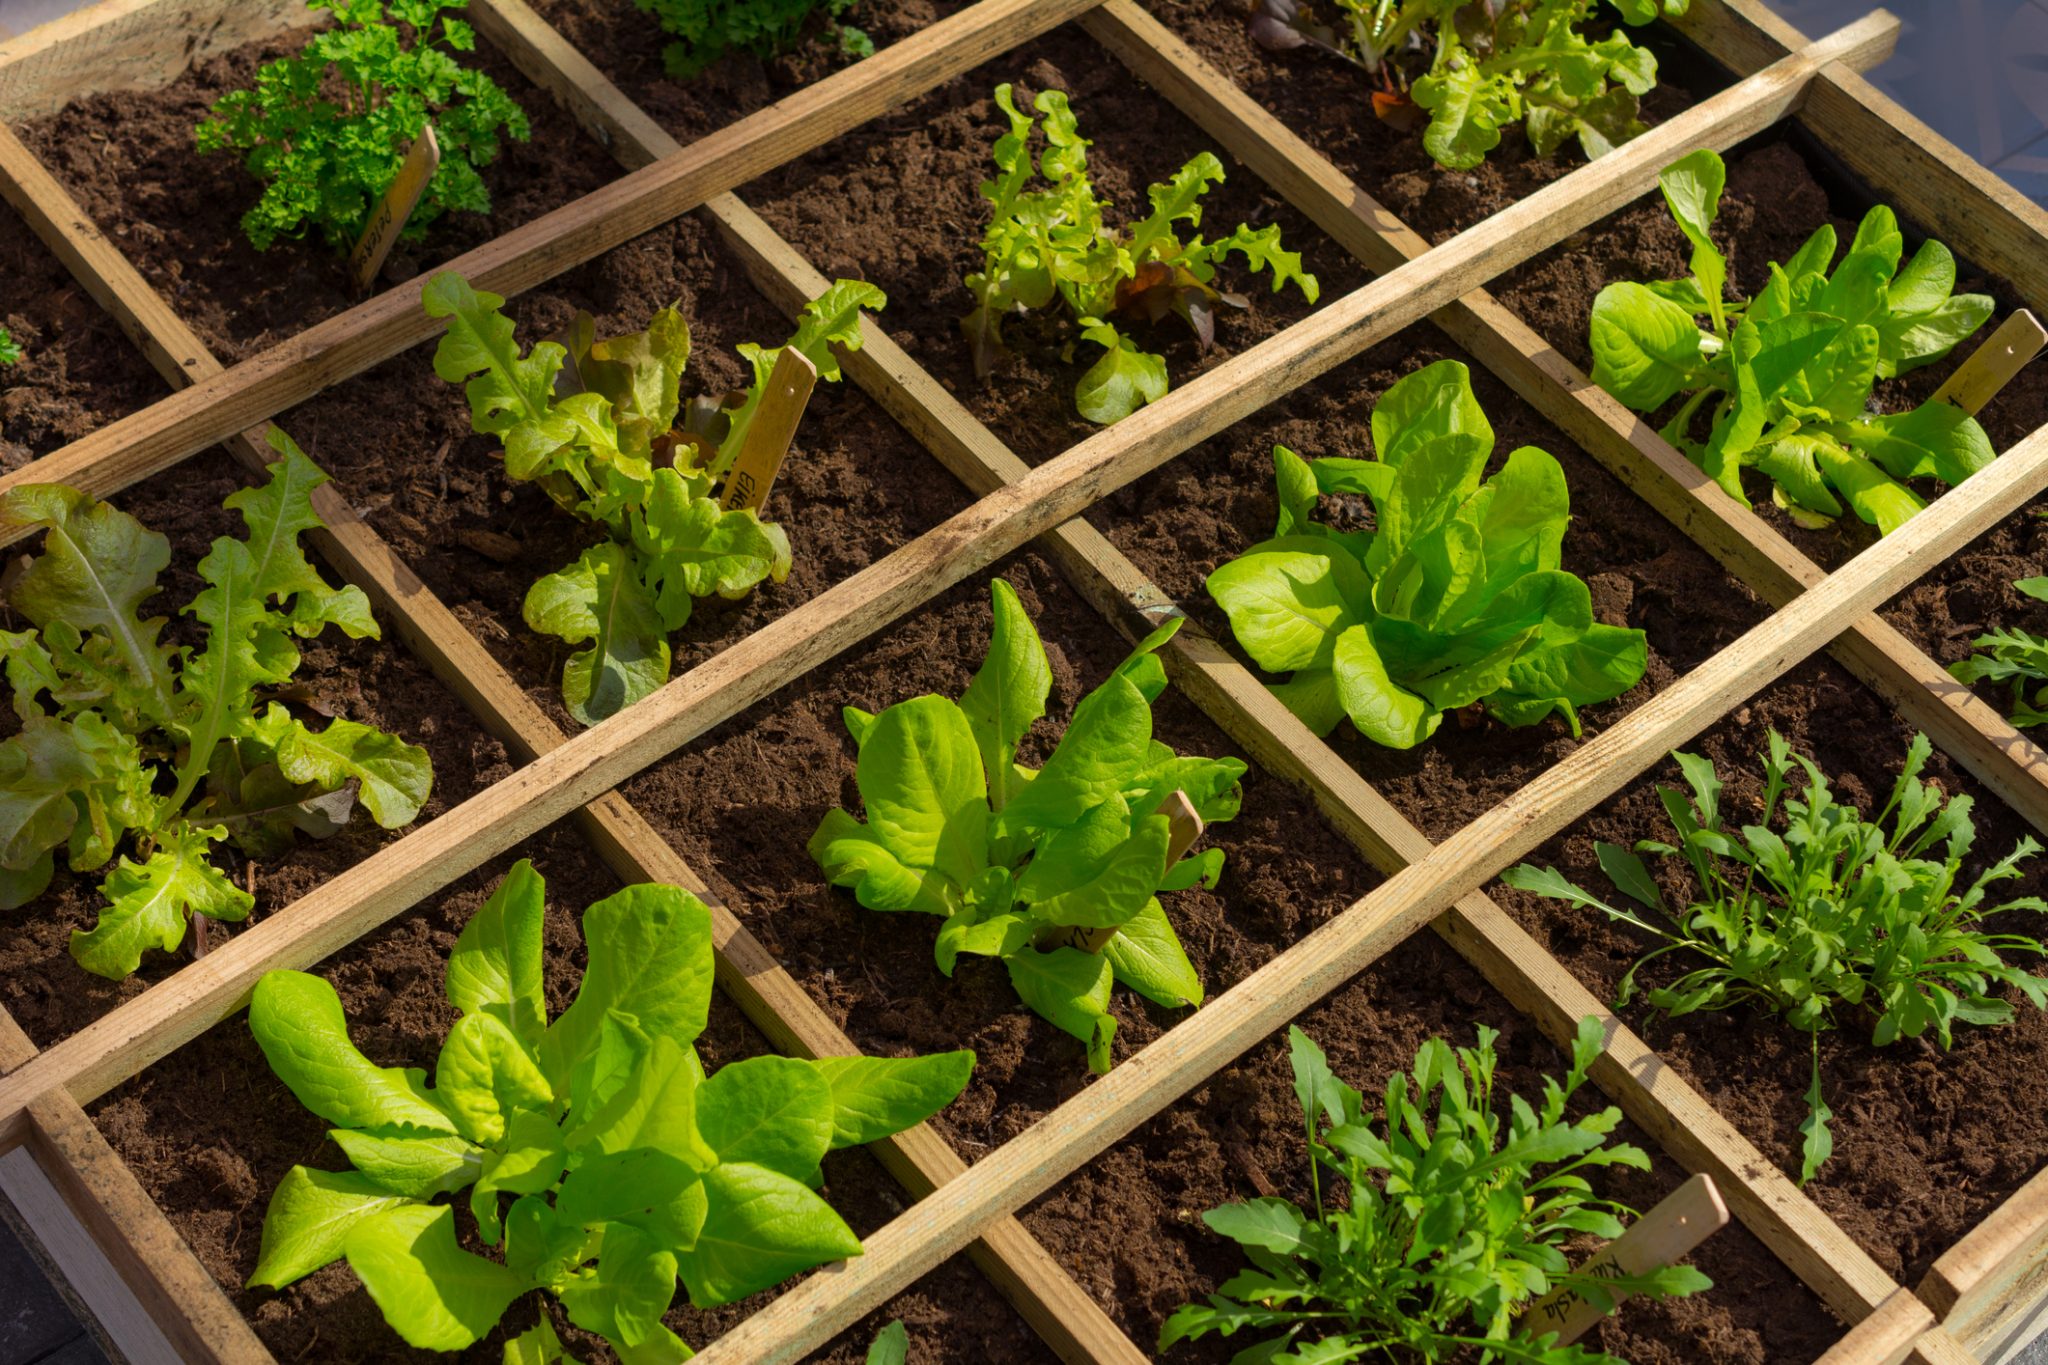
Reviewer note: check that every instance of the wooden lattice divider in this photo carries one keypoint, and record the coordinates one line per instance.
(1036, 501)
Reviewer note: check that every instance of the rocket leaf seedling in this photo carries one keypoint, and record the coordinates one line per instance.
(1786, 376)
(601, 427)
(2017, 657)
(1456, 599)
(627, 1166)
(705, 30)
(1452, 1223)
(127, 741)
(1824, 914)
(1015, 859)
(1055, 243)
(10, 351)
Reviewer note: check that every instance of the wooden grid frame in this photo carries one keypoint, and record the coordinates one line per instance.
(1963, 1307)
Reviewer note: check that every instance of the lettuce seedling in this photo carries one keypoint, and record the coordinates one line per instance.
(1490, 64)
(1455, 600)
(1789, 372)
(324, 166)
(708, 29)
(1010, 857)
(124, 735)
(1447, 1231)
(2013, 656)
(628, 1166)
(601, 427)
(1829, 912)
(1055, 243)
(10, 353)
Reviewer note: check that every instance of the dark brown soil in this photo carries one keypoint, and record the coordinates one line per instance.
(376, 682)
(130, 159)
(399, 439)
(1926, 1144)
(896, 201)
(1128, 1225)
(209, 1131)
(77, 371)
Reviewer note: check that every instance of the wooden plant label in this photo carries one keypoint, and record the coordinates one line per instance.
(1992, 365)
(774, 427)
(1688, 1216)
(388, 219)
(1185, 826)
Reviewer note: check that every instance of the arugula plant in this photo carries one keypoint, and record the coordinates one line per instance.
(1826, 913)
(1008, 855)
(324, 166)
(1484, 65)
(1788, 374)
(705, 30)
(10, 352)
(1055, 243)
(602, 428)
(628, 1167)
(125, 735)
(2013, 656)
(1449, 1228)
(1456, 599)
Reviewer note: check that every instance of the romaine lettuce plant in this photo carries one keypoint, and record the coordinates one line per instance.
(1788, 374)
(1455, 600)
(1485, 64)
(1010, 857)
(1055, 243)
(1827, 914)
(127, 741)
(325, 165)
(705, 30)
(1450, 1226)
(2013, 656)
(627, 1166)
(596, 425)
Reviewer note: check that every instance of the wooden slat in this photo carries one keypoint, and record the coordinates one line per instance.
(345, 345)
(175, 1011)
(129, 45)
(1997, 1271)
(1966, 727)
(1886, 1337)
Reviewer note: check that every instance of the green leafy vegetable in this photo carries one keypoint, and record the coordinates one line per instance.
(1055, 243)
(2013, 656)
(1787, 375)
(1449, 1229)
(626, 1165)
(602, 428)
(124, 735)
(891, 1346)
(324, 166)
(1825, 913)
(1478, 66)
(1455, 600)
(10, 352)
(1011, 857)
(708, 29)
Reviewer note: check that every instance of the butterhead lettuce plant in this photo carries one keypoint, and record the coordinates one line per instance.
(603, 1162)
(1009, 856)
(158, 753)
(1055, 243)
(1785, 377)
(1454, 599)
(601, 427)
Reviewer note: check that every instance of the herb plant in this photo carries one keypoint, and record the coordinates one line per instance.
(1449, 1227)
(1824, 914)
(1484, 65)
(1056, 243)
(10, 352)
(1789, 373)
(324, 166)
(628, 1166)
(706, 30)
(124, 735)
(1456, 599)
(2013, 656)
(1008, 855)
(601, 427)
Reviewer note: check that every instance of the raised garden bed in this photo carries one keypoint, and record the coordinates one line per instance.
(1076, 1198)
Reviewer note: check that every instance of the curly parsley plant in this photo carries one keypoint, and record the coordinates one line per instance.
(705, 30)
